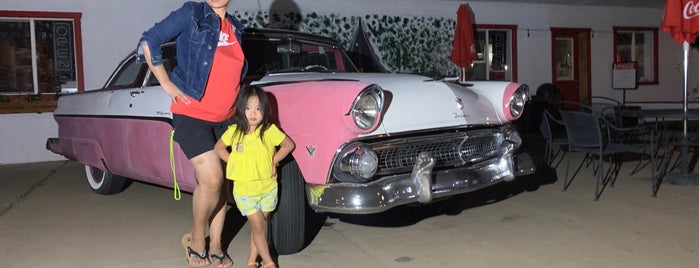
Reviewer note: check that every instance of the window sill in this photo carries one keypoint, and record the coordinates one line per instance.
(26, 106)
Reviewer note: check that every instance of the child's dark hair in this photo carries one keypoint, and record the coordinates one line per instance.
(241, 102)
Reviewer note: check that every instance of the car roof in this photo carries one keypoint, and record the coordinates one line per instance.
(282, 33)
(278, 33)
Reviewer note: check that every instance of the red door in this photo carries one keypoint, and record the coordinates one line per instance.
(571, 62)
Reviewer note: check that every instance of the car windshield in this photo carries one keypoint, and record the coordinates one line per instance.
(282, 55)
(265, 55)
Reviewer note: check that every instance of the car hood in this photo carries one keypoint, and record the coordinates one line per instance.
(418, 103)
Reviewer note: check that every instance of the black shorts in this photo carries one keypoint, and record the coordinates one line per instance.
(196, 136)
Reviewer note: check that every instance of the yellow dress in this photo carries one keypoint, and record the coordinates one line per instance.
(250, 163)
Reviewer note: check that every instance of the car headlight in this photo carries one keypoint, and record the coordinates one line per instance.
(356, 162)
(367, 107)
(517, 101)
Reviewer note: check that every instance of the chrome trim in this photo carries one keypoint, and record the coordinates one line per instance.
(342, 171)
(445, 159)
(426, 132)
(422, 176)
(449, 149)
(374, 90)
(54, 145)
(523, 92)
(390, 191)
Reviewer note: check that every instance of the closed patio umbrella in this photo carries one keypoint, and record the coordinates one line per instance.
(463, 51)
(681, 20)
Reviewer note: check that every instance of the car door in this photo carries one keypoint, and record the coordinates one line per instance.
(140, 117)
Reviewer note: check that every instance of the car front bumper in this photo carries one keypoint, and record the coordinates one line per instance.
(422, 186)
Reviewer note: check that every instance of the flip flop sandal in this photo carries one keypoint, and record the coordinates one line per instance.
(186, 240)
(220, 258)
(252, 264)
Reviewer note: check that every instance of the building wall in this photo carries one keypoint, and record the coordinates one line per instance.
(110, 30)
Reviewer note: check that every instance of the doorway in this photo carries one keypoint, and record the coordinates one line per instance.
(570, 62)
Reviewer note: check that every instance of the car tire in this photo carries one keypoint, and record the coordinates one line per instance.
(287, 227)
(105, 183)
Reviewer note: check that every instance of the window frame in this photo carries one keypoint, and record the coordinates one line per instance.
(654, 43)
(37, 102)
(512, 43)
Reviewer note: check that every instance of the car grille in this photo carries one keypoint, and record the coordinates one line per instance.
(449, 150)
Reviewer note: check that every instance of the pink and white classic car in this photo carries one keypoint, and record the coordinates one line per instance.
(365, 142)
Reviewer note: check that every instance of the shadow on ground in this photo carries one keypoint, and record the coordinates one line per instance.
(411, 214)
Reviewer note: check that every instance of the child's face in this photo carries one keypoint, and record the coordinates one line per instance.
(253, 112)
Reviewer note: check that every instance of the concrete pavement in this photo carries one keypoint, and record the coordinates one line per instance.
(49, 217)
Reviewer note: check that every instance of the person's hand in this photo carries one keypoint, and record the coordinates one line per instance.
(175, 93)
(274, 169)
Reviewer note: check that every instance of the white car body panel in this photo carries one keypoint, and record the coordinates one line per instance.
(450, 104)
(141, 102)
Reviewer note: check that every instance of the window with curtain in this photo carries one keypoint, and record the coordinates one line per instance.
(638, 44)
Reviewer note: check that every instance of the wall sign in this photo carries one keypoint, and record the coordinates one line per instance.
(624, 75)
(63, 47)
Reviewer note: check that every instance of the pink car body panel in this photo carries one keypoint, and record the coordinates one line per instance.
(130, 147)
(317, 121)
(509, 91)
(138, 147)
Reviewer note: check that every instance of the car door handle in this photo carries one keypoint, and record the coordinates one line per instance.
(135, 92)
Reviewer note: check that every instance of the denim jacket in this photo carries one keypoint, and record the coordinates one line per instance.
(195, 28)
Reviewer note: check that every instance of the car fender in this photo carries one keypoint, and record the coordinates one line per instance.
(315, 114)
(493, 90)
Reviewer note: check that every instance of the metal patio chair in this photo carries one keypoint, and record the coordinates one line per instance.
(591, 133)
(555, 144)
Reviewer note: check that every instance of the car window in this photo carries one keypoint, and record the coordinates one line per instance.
(131, 73)
(169, 61)
(289, 55)
(128, 75)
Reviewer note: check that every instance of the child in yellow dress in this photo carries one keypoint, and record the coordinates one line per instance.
(252, 163)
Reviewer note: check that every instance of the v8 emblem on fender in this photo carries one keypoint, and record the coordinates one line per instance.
(311, 150)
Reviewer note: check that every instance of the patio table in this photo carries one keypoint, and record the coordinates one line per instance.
(684, 177)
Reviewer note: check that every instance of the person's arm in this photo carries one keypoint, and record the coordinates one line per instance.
(161, 74)
(221, 150)
(148, 49)
(285, 148)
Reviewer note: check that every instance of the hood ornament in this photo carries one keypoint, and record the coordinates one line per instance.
(459, 103)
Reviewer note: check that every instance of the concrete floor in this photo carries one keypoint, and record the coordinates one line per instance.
(50, 218)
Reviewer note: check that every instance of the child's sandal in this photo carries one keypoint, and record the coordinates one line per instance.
(252, 264)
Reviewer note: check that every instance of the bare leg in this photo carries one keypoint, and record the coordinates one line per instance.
(206, 199)
(258, 222)
(253, 251)
(215, 230)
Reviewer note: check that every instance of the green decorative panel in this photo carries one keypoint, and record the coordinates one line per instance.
(403, 44)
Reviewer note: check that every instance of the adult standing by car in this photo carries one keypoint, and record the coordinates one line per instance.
(203, 87)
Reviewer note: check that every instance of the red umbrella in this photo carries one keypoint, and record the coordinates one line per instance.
(681, 20)
(463, 51)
